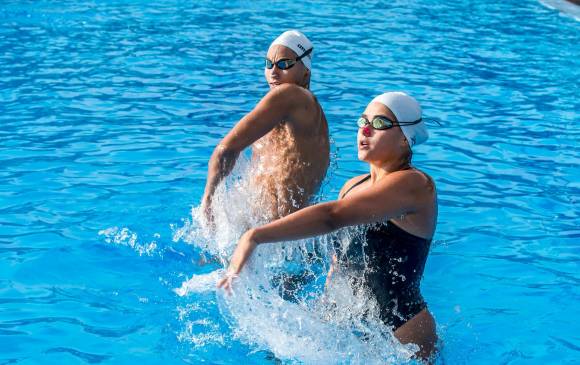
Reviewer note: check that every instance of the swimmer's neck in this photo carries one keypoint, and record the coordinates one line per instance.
(378, 171)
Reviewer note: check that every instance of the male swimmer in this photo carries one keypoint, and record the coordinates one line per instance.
(288, 133)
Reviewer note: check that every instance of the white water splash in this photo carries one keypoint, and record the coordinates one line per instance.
(200, 283)
(309, 332)
(279, 302)
(124, 237)
(199, 332)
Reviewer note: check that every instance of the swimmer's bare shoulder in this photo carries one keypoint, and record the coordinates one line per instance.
(297, 93)
(421, 180)
(285, 103)
(299, 104)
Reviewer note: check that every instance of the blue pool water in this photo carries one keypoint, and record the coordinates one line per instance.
(109, 111)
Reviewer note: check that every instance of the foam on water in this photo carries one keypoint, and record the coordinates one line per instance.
(200, 283)
(124, 237)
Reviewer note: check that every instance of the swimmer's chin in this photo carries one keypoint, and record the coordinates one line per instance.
(362, 155)
(274, 84)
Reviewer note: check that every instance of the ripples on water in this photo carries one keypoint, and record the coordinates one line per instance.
(109, 112)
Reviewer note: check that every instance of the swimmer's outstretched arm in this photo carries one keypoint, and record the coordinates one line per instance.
(277, 106)
(399, 193)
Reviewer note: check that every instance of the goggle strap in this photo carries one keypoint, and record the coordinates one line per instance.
(309, 51)
(410, 123)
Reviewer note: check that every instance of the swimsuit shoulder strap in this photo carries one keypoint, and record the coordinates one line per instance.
(355, 185)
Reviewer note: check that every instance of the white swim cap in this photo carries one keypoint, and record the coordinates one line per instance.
(407, 110)
(297, 42)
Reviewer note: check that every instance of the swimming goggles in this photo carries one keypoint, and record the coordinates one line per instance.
(381, 122)
(286, 63)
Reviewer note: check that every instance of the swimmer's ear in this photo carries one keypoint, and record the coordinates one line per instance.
(407, 147)
(306, 78)
(405, 143)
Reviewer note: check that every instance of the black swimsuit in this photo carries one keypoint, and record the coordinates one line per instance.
(388, 262)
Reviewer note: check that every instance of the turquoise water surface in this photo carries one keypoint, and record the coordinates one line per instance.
(109, 111)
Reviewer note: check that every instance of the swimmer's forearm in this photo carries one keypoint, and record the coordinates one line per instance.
(308, 222)
(220, 165)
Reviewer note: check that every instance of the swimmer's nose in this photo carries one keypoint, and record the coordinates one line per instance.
(274, 71)
(366, 131)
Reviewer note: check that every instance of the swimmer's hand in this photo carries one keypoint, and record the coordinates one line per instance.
(242, 253)
(227, 281)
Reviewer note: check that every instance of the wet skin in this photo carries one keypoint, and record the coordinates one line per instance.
(288, 133)
(291, 160)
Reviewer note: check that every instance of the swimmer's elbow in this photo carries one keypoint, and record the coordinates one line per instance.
(224, 157)
(336, 216)
(225, 152)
